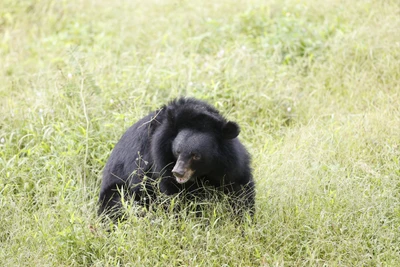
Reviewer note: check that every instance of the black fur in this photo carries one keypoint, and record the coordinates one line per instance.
(142, 162)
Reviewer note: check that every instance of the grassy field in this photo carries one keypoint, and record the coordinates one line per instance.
(315, 86)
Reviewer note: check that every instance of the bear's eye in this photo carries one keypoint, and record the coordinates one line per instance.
(196, 157)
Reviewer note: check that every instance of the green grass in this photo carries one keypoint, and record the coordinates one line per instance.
(314, 85)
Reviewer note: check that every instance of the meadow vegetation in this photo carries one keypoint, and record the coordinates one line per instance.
(314, 85)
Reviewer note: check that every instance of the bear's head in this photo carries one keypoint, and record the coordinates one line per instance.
(189, 138)
(197, 152)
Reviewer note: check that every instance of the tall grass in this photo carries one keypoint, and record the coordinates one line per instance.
(314, 85)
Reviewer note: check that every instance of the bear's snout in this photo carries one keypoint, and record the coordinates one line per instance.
(182, 172)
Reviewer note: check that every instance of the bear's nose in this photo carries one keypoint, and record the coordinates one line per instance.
(178, 174)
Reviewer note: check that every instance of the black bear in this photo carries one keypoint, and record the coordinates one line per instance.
(179, 148)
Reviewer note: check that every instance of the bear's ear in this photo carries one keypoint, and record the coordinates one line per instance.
(230, 130)
(170, 115)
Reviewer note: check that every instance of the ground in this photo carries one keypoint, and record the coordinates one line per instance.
(314, 86)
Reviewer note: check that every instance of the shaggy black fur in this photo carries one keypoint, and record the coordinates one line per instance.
(186, 139)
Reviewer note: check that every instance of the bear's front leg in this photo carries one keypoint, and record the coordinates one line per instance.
(168, 186)
(242, 199)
